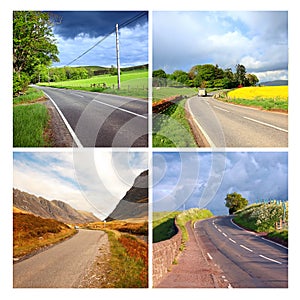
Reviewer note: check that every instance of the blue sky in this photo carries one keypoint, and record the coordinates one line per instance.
(200, 179)
(80, 30)
(256, 39)
(88, 180)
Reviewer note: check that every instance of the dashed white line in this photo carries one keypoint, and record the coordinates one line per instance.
(224, 234)
(217, 107)
(219, 230)
(266, 124)
(270, 259)
(231, 240)
(246, 248)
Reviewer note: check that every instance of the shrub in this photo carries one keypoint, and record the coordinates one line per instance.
(20, 83)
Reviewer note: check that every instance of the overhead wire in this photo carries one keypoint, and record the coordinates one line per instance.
(126, 23)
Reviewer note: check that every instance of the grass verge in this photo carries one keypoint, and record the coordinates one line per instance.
(29, 126)
(164, 227)
(171, 128)
(32, 95)
(128, 262)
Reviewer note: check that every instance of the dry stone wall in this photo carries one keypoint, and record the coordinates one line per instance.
(164, 253)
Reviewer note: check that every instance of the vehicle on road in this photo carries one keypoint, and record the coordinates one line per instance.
(202, 93)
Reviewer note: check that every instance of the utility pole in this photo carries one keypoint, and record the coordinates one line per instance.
(118, 56)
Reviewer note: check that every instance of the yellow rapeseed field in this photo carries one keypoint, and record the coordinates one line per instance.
(264, 92)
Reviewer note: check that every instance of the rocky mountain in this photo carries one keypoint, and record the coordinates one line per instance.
(54, 209)
(135, 202)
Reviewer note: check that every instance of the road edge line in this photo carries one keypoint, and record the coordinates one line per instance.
(74, 136)
(202, 131)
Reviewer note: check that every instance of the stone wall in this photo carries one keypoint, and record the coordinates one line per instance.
(164, 104)
(163, 256)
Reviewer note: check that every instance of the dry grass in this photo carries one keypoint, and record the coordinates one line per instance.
(32, 233)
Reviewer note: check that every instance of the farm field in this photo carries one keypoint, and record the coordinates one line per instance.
(166, 92)
(266, 97)
(133, 83)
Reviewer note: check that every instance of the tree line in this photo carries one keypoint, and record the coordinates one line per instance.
(206, 76)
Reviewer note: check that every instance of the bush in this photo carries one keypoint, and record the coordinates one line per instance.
(20, 83)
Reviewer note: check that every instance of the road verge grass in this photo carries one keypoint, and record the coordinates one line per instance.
(31, 120)
(128, 261)
(171, 128)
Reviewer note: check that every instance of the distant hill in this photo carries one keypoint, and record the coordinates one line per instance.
(54, 209)
(135, 202)
(274, 83)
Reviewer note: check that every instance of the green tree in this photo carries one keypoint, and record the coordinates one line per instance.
(251, 80)
(235, 201)
(240, 74)
(33, 42)
(159, 78)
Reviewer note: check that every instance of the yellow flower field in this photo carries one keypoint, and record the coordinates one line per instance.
(264, 92)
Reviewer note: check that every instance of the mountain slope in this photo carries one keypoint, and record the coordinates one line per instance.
(135, 202)
(54, 209)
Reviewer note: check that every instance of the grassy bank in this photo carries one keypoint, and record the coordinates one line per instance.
(262, 218)
(128, 261)
(29, 126)
(32, 233)
(30, 120)
(171, 128)
(163, 224)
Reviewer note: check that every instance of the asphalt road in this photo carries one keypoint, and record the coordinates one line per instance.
(248, 260)
(228, 125)
(102, 120)
(62, 266)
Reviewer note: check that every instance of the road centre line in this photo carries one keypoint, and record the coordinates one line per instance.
(224, 234)
(122, 109)
(266, 124)
(230, 239)
(246, 248)
(75, 94)
(217, 107)
(270, 259)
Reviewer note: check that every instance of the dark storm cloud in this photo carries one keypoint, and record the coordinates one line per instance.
(92, 23)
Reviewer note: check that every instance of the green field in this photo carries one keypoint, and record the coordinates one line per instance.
(166, 92)
(133, 83)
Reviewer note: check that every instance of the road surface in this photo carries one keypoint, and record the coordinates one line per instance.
(228, 125)
(62, 266)
(248, 260)
(102, 120)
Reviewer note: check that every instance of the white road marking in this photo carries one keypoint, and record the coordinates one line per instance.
(270, 259)
(75, 94)
(217, 107)
(224, 234)
(266, 124)
(74, 136)
(209, 256)
(219, 230)
(231, 240)
(122, 109)
(246, 248)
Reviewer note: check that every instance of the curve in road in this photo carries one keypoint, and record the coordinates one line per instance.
(62, 266)
(102, 120)
(248, 260)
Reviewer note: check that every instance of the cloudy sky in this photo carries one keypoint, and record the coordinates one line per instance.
(185, 180)
(78, 31)
(88, 180)
(256, 39)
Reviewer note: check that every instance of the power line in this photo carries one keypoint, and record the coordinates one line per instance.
(126, 23)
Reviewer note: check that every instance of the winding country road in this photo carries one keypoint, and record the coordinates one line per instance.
(228, 125)
(62, 266)
(248, 260)
(101, 120)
